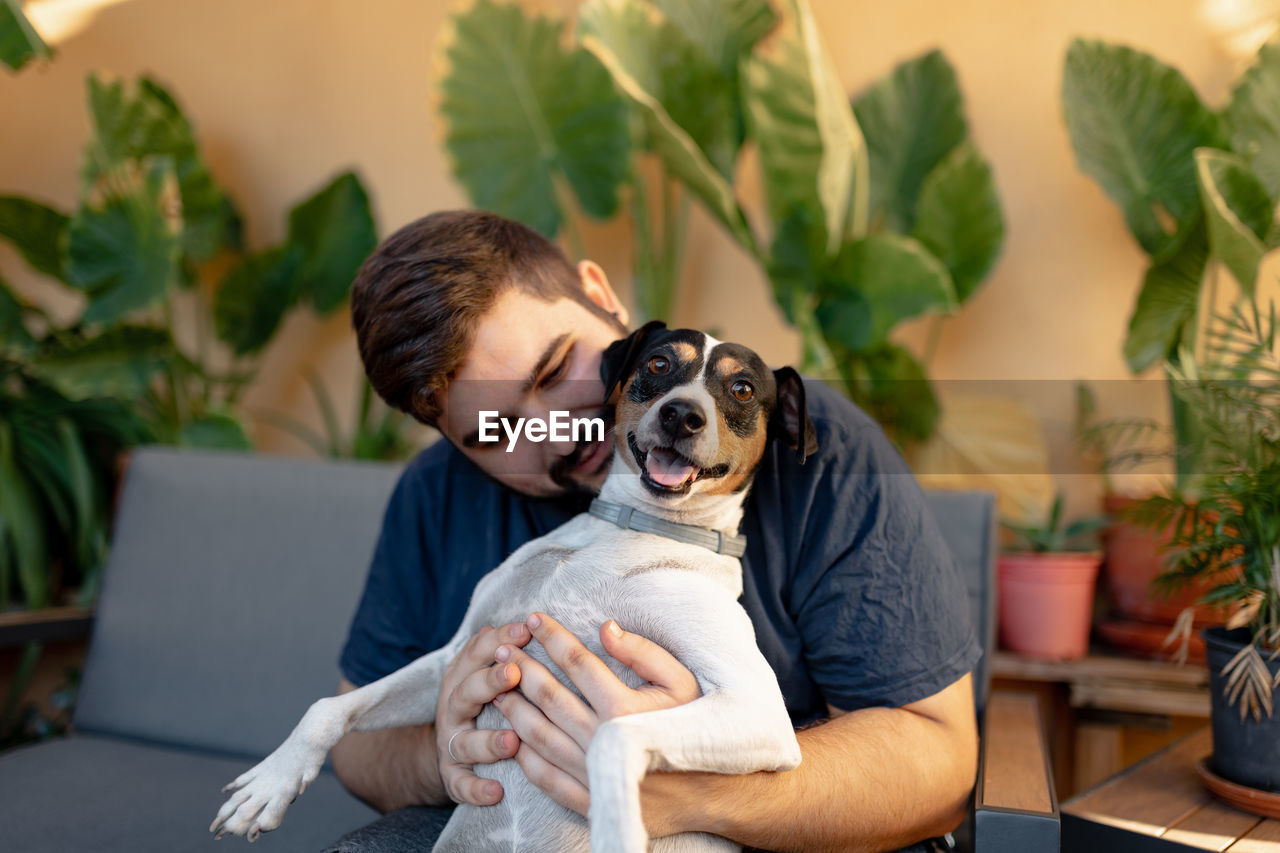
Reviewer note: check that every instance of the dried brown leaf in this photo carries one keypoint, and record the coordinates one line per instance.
(1247, 608)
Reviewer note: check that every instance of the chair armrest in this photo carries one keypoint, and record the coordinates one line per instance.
(1015, 807)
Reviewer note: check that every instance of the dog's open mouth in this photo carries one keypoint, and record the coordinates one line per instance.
(665, 470)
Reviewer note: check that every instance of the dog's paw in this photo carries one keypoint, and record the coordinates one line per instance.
(261, 795)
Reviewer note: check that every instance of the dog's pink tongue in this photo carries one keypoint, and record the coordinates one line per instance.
(666, 468)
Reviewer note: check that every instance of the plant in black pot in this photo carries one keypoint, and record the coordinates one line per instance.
(1227, 530)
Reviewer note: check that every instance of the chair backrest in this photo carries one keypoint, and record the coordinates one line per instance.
(968, 521)
(228, 592)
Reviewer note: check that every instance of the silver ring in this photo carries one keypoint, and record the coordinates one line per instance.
(455, 758)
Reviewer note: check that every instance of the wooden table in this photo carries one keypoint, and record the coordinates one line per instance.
(1097, 701)
(1160, 806)
(1111, 682)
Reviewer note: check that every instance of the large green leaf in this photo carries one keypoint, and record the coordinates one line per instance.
(891, 385)
(958, 218)
(26, 548)
(723, 30)
(693, 90)
(118, 363)
(1254, 117)
(1164, 314)
(80, 490)
(140, 125)
(124, 255)
(254, 297)
(1238, 212)
(333, 232)
(39, 458)
(810, 158)
(1134, 124)
(796, 261)
(217, 430)
(911, 119)
(15, 340)
(605, 37)
(19, 42)
(843, 183)
(896, 277)
(523, 115)
(36, 231)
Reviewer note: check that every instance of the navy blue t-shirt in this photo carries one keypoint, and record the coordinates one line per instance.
(854, 595)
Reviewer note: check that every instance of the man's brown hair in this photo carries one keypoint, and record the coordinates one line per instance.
(417, 299)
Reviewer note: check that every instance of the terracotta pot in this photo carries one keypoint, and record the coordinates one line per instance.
(1133, 557)
(1046, 603)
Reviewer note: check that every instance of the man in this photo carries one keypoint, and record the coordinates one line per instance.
(853, 594)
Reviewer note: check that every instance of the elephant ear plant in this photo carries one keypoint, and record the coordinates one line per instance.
(152, 229)
(875, 212)
(1136, 124)
(152, 235)
(19, 42)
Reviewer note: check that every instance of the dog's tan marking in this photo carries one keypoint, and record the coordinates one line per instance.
(685, 351)
(728, 365)
(627, 417)
(740, 453)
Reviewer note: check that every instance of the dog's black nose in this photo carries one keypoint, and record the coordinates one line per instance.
(681, 418)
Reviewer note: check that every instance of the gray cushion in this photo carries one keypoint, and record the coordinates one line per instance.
(88, 793)
(968, 523)
(227, 595)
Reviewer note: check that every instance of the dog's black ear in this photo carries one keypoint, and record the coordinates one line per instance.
(791, 415)
(620, 356)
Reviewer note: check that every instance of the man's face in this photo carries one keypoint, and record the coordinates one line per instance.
(530, 358)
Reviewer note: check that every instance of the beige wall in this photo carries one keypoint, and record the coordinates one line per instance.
(286, 92)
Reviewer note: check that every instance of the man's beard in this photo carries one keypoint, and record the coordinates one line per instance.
(562, 468)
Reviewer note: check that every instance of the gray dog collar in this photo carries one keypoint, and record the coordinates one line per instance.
(630, 518)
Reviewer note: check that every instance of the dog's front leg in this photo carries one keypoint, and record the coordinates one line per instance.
(406, 697)
(721, 732)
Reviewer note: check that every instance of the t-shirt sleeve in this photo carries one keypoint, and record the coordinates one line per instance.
(389, 629)
(883, 610)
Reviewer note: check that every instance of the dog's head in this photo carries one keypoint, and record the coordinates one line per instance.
(695, 414)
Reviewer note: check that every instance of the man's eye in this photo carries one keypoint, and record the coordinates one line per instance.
(742, 391)
(659, 365)
(554, 376)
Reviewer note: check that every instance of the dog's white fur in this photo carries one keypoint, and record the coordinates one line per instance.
(683, 597)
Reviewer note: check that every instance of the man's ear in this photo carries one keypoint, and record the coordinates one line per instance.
(620, 356)
(791, 415)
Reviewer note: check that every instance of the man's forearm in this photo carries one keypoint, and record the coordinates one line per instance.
(875, 779)
(392, 768)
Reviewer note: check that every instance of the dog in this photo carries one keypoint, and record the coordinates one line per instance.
(658, 552)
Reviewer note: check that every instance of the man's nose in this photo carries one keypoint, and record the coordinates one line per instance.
(681, 418)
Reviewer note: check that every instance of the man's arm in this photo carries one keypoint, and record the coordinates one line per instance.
(392, 768)
(873, 779)
(410, 766)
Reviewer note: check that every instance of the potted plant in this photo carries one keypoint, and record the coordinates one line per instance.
(1142, 613)
(1227, 532)
(1046, 582)
(1135, 124)
(876, 211)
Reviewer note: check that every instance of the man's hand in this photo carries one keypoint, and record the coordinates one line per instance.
(469, 683)
(555, 726)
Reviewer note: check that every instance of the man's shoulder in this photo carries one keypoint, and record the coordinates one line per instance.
(832, 411)
(440, 468)
(849, 440)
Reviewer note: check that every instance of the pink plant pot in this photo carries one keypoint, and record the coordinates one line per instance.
(1046, 603)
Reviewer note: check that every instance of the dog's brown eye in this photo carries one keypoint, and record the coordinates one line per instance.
(742, 391)
(659, 365)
